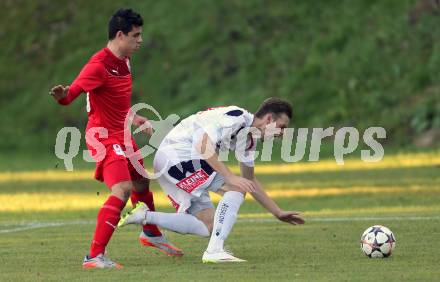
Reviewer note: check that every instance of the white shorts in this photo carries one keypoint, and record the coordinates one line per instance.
(187, 184)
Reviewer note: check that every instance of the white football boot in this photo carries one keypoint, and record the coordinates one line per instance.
(219, 257)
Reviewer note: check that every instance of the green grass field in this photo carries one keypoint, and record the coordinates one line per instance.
(46, 227)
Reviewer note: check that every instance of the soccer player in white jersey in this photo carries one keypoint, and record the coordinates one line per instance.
(188, 166)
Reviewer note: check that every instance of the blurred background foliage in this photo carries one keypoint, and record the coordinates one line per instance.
(341, 63)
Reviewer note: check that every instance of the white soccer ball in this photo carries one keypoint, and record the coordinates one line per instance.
(378, 241)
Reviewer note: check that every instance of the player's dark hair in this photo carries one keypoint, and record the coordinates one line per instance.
(123, 20)
(275, 106)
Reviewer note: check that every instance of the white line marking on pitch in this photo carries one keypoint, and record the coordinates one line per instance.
(339, 219)
(37, 224)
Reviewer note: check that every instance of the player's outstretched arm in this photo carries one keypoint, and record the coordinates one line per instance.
(64, 95)
(261, 197)
(206, 148)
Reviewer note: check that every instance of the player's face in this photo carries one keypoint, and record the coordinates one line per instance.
(281, 122)
(132, 41)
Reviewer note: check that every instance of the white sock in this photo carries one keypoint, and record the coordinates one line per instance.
(178, 222)
(225, 217)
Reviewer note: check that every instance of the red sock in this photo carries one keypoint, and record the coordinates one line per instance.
(147, 198)
(108, 218)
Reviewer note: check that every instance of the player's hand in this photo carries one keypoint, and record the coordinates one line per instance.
(59, 92)
(144, 124)
(291, 217)
(245, 185)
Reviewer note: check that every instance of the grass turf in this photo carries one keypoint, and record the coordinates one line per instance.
(325, 249)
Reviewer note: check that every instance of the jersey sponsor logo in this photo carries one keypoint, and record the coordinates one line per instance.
(193, 181)
(118, 150)
(117, 71)
(180, 170)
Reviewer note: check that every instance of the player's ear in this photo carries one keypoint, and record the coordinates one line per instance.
(119, 34)
(269, 118)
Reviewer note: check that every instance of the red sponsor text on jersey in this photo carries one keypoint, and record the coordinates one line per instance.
(193, 181)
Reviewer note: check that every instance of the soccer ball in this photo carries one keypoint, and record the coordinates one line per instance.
(378, 241)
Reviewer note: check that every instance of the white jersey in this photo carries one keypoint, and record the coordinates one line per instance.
(227, 127)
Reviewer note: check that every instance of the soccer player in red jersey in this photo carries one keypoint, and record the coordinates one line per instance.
(107, 80)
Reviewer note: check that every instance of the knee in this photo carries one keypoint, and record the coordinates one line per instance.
(237, 194)
(225, 189)
(141, 185)
(122, 190)
(209, 224)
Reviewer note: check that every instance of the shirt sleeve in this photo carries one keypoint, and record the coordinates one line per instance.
(221, 128)
(74, 91)
(92, 76)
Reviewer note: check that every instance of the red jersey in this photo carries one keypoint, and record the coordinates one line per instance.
(108, 83)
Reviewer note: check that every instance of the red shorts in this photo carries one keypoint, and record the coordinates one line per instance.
(116, 166)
